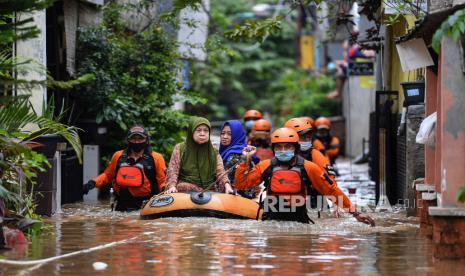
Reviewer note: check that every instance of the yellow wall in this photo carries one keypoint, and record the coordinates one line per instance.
(397, 75)
(307, 55)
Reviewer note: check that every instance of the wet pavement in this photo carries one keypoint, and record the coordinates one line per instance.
(182, 246)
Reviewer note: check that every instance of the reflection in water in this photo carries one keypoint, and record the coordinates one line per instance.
(204, 246)
(175, 246)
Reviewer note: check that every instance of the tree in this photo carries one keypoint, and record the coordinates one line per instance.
(19, 164)
(134, 80)
(240, 74)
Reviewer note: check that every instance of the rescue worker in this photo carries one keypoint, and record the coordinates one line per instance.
(303, 127)
(232, 142)
(137, 172)
(260, 138)
(317, 145)
(250, 117)
(288, 178)
(323, 135)
(196, 165)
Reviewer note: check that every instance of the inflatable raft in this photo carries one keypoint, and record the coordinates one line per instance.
(194, 204)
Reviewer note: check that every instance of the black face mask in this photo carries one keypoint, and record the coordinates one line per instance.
(136, 147)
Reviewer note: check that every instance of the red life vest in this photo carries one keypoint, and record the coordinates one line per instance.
(292, 181)
(139, 177)
(131, 176)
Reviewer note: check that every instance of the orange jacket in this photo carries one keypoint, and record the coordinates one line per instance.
(333, 148)
(318, 145)
(322, 161)
(264, 153)
(314, 172)
(108, 176)
(319, 159)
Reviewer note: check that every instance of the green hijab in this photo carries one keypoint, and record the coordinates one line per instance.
(198, 162)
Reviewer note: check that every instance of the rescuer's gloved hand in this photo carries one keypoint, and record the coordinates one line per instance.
(88, 186)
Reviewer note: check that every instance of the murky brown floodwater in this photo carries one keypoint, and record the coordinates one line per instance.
(212, 246)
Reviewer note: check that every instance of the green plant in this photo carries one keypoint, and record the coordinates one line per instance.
(297, 94)
(19, 163)
(135, 80)
(11, 29)
(453, 26)
(238, 73)
(461, 194)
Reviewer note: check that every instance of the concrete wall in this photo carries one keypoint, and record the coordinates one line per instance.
(34, 49)
(415, 153)
(452, 127)
(431, 107)
(358, 103)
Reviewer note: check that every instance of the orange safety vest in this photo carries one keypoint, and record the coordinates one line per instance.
(139, 178)
(292, 181)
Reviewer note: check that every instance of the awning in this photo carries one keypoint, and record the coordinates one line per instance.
(427, 26)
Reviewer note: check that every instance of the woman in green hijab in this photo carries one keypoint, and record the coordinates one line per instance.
(196, 164)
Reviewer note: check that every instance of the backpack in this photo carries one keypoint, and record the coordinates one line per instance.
(148, 163)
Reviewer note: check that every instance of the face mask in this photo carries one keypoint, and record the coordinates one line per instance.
(322, 134)
(304, 146)
(249, 124)
(136, 147)
(284, 156)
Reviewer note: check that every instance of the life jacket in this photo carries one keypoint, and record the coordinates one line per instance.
(286, 183)
(292, 181)
(138, 178)
(264, 153)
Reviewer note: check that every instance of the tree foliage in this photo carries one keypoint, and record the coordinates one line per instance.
(135, 80)
(19, 164)
(453, 26)
(239, 74)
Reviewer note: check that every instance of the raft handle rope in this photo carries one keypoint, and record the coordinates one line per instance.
(225, 173)
(210, 185)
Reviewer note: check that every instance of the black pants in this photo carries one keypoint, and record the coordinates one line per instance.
(125, 202)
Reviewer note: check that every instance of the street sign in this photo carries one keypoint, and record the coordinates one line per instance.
(365, 68)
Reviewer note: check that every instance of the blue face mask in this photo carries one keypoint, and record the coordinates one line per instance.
(249, 124)
(304, 146)
(285, 155)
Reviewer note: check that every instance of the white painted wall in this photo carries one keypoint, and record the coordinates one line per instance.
(36, 50)
(192, 39)
(358, 103)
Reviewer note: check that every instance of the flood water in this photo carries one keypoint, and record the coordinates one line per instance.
(182, 246)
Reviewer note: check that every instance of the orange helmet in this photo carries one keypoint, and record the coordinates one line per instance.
(253, 114)
(261, 125)
(299, 124)
(322, 122)
(284, 135)
(312, 122)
